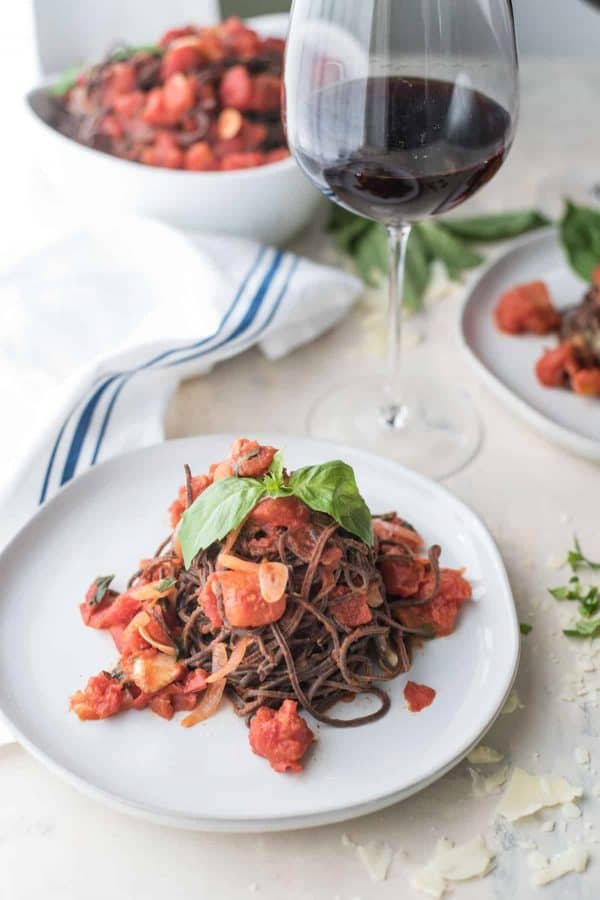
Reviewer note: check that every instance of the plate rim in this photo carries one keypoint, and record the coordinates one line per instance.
(581, 446)
(253, 823)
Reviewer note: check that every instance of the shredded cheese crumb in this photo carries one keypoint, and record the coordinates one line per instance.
(512, 704)
(451, 863)
(486, 787)
(527, 793)
(582, 756)
(483, 756)
(573, 859)
(376, 858)
(549, 825)
(570, 811)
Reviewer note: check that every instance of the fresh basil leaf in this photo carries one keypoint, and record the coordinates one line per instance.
(166, 585)
(217, 511)
(102, 583)
(584, 629)
(66, 81)
(417, 271)
(560, 593)
(449, 248)
(331, 488)
(371, 258)
(576, 558)
(346, 237)
(497, 227)
(524, 628)
(276, 467)
(580, 236)
(273, 480)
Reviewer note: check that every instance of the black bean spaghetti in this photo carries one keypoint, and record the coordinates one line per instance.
(288, 608)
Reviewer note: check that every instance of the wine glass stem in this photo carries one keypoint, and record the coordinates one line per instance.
(392, 409)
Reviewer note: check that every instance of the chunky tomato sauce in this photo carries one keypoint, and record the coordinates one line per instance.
(418, 696)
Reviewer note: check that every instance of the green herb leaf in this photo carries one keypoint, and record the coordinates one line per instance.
(331, 488)
(524, 628)
(498, 227)
(66, 81)
(102, 583)
(584, 629)
(560, 593)
(121, 54)
(448, 248)
(371, 256)
(577, 559)
(273, 480)
(217, 511)
(166, 585)
(580, 236)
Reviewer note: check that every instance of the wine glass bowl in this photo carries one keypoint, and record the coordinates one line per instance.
(399, 110)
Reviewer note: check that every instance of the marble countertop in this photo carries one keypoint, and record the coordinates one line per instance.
(57, 844)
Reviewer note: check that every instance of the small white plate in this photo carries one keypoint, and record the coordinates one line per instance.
(507, 364)
(208, 778)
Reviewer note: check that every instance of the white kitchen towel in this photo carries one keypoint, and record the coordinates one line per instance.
(97, 330)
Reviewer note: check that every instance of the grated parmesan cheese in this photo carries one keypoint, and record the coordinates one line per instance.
(376, 857)
(570, 811)
(487, 787)
(451, 863)
(512, 704)
(582, 756)
(527, 793)
(573, 859)
(483, 756)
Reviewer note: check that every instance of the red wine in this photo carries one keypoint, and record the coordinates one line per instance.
(399, 149)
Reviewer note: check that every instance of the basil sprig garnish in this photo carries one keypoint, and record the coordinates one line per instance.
(329, 488)
(103, 583)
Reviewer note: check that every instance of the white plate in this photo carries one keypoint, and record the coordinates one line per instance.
(507, 364)
(208, 778)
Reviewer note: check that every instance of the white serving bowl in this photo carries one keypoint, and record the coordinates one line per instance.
(268, 203)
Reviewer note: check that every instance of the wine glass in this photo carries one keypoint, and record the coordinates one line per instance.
(399, 110)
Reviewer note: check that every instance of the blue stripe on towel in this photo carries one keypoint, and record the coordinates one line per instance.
(73, 454)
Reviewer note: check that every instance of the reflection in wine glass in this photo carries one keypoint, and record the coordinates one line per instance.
(399, 110)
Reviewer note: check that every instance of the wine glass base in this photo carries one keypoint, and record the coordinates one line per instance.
(437, 433)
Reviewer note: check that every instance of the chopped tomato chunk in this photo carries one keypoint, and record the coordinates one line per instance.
(352, 611)
(249, 459)
(243, 602)
(527, 308)
(587, 382)
(182, 58)
(439, 615)
(236, 88)
(248, 160)
(113, 609)
(195, 681)
(397, 530)
(281, 736)
(102, 697)
(200, 158)
(418, 696)
(179, 94)
(199, 484)
(552, 369)
(402, 577)
(287, 512)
